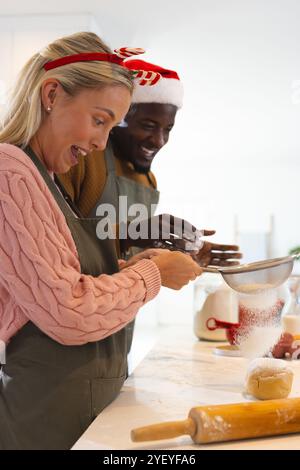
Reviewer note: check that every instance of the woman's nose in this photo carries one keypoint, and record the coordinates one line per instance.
(99, 141)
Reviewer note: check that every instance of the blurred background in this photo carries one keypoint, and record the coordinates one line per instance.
(232, 162)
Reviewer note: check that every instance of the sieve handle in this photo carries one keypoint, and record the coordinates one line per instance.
(211, 270)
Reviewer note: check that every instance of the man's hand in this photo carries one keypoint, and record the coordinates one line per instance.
(162, 231)
(216, 254)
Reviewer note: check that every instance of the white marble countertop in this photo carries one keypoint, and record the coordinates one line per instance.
(178, 373)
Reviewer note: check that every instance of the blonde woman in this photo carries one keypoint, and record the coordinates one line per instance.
(63, 303)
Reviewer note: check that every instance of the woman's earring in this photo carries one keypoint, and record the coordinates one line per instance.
(49, 109)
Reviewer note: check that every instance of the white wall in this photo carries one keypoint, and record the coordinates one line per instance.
(235, 146)
(21, 36)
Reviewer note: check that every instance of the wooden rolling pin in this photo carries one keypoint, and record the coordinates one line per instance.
(229, 422)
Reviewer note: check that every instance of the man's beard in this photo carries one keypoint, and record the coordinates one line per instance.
(141, 169)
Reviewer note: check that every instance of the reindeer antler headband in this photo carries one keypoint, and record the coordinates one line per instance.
(116, 58)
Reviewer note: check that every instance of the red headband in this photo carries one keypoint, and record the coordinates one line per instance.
(117, 58)
(145, 77)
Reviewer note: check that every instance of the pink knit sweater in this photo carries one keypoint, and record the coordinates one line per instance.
(40, 278)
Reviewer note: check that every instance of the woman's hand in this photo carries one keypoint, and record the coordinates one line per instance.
(146, 254)
(176, 268)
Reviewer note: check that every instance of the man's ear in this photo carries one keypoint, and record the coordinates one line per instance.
(49, 92)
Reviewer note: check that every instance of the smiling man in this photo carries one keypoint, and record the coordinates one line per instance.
(145, 132)
(150, 119)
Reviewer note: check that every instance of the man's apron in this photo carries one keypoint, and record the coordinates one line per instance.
(50, 393)
(117, 186)
(136, 193)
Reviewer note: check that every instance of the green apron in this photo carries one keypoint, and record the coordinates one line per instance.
(136, 193)
(50, 393)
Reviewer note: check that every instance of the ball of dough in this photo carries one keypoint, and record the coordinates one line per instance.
(269, 379)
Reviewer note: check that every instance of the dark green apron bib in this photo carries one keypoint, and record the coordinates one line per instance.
(136, 193)
(50, 393)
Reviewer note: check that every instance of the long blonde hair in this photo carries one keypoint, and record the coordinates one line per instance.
(25, 111)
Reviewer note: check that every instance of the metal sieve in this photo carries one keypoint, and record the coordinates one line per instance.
(253, 278)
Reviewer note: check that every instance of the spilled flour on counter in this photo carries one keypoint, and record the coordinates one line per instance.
(259, 341)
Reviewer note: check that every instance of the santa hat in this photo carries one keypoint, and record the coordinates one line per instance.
(154, 84)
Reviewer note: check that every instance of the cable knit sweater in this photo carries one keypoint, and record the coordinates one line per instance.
(40, 278)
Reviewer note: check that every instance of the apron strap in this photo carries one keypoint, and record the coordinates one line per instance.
(59, 198)
(150, 181)
(109, 160)
(67, 198)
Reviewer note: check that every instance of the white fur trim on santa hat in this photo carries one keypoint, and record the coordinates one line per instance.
(165, 91)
